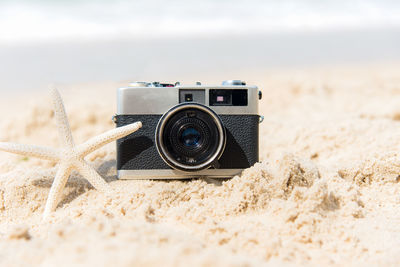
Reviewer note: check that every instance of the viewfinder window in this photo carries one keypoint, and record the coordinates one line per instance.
(228, 97)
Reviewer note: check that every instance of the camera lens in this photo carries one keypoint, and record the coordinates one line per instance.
(190, 137)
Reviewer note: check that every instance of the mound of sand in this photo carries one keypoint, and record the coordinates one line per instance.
(327, 191)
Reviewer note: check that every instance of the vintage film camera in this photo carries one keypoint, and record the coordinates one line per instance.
(188, 131)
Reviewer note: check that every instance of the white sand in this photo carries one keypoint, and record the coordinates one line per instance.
(326, 193)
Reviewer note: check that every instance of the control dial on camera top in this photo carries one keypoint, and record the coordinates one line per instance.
(153, 84)
(234, 82)
(139, 84)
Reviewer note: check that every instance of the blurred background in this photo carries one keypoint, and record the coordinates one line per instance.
(78, 41)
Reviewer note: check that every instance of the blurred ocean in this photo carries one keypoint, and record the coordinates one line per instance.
(46, 41)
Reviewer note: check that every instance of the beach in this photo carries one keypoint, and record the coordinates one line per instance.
(326, 190)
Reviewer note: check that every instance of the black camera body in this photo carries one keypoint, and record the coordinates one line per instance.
(188, 131)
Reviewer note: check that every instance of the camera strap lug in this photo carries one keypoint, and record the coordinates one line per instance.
(215, 164)
(261, 119)
(114, 118)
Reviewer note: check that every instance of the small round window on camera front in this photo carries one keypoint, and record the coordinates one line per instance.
(190, 137)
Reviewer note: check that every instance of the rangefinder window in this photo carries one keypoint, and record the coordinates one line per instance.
(228, 97)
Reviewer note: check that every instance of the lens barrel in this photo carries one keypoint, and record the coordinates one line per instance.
(190, 137)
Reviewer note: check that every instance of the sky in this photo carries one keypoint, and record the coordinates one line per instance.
(76, 20)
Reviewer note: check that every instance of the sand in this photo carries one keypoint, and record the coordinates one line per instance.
(326, 192)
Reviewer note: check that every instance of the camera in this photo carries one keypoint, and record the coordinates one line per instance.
(188, 131)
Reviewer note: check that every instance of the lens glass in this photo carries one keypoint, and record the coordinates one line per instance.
(190, 137)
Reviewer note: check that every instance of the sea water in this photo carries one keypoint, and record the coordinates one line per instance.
(47, 41)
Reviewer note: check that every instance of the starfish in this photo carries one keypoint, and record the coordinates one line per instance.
(71, 156)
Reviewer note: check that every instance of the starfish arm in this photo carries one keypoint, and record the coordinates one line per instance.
(58, 185)
(64, 130)
(107, 137)
(31, 151)
(93, 177)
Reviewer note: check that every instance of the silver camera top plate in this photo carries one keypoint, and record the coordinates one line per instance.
(157, 98)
